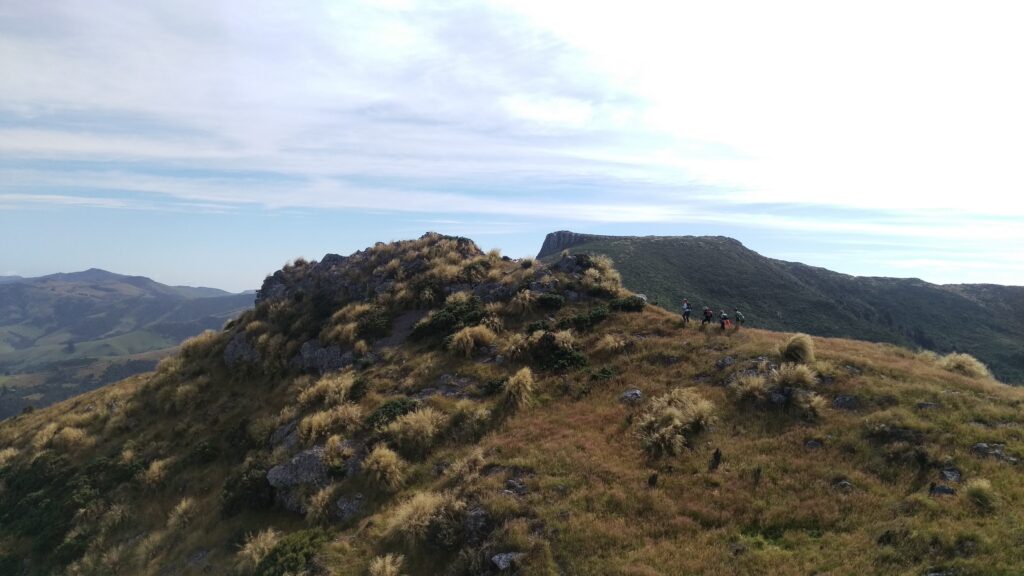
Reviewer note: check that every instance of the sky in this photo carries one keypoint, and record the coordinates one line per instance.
(208, 142)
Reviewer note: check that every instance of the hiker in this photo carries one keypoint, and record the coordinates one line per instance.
(724, 318)
(738, 317)
(686, 311)
(707, 317)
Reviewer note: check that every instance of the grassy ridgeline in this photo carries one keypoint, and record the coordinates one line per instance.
(823, 466)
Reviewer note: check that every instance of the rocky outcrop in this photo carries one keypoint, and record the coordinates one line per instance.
(240, 351)
(315, 358)
(555, 242)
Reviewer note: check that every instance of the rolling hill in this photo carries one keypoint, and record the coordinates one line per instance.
(984, 320)
(422, 408)
(65, 333)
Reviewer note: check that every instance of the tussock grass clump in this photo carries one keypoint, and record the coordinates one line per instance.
(410, 520)
(385, 467)
(198, 345)
(519, 391)
(980, 493)
(964, 364)
(520, 304)
(256, 547)
(794, 375)
(331, 390)
(71, 438)
(749, 389)
(155, 474)
(610, 344)
(799, 348)
(663, 427)
(414, 433)
(318, 508)
(387, 565)
(182, 514)
(468, 339)
(8, 454)
(318, 425)
(514, 346)
(809, 405)
(45, 434)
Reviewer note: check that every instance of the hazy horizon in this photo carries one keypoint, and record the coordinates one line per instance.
(208, 143)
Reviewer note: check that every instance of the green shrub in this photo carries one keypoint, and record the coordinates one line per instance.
(293, 554)
(585, 320)
(374, 323)
(247, 489)
(799, 348)
(669, 420)
(454, 315)
(360, 386)
(629, 304)
(964, 364)
(550, 355)
(550, 301)
(389, 411)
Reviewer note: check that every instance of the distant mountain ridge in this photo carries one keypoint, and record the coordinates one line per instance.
(985, 320)
(54, 327)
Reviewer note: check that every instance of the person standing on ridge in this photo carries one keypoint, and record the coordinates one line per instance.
(686, 311)
(738, 317)
(707, 317)
(724, 319)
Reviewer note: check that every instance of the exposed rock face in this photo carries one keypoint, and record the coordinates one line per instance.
(315, 358)
(506, 560)
(306, 467)
(633, 396)
(555, 242)
(239, 351)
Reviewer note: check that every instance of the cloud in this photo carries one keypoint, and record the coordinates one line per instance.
(892, 121)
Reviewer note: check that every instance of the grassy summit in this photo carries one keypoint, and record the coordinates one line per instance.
(423, 408)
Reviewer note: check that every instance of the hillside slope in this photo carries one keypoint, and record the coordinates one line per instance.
(984, 320)
(422, 408)
(66, 333)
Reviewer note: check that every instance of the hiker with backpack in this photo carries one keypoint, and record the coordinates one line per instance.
(708, 314)
(686, 311)
(724, 319)
(738, 316)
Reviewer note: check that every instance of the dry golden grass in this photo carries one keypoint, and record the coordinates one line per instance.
(183, 514)
(980, 493)
(749, 389)
(667, 421)
(796, 375)
(410, 519)
(7, 454)
(387, 565)
(965, 364)
(471, 338)
(414, 433)
(331, 390)
(385, 468)
(520, 304)
(155, 474)
(799, 348)
(257, 546)
(519, 390)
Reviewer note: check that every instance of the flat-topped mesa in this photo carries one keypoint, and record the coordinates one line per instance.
(555, 242)
(361, 274)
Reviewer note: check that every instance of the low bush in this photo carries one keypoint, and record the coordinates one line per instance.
(668, 421)
(551, 355)
(457, 313)
(247, 489)
(385, 467)
(584, 321)
(390, 410)
(550, 302)
(799, 348)
(964, 364)
(629, 304)
(292, 554)
(520, 304)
